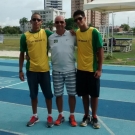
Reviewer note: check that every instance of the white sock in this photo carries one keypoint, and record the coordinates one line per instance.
(61, 113)
(50, 115)
(35, 115)
(71, 113)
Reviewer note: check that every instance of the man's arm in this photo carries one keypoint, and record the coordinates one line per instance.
(21, 61)
(73, 32)
(99, 52)
(48, 33)
(100, 56)
(23, 47)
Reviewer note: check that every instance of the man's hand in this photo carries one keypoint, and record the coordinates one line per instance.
(97, 74)
(21, 76)
(73, 33)
(27, 57)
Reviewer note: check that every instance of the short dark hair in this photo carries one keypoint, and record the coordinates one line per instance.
(35, 14)
(79, 12)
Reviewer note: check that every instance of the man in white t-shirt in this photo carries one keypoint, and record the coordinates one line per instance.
(62, 47)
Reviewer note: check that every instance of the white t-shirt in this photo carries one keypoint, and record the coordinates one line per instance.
(62, 51)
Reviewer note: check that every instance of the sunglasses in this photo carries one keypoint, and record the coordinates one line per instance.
(79, 18)
(57, 22)
(36, 19)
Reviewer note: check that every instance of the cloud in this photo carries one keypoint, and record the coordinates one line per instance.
(13, 10)
(37, 4)
(123, 18)
(10, 22)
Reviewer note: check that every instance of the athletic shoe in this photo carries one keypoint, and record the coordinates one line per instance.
(32, 121)
(72, 121)
(59, 120)
(94, 122)
(85, 121)
(50, 122)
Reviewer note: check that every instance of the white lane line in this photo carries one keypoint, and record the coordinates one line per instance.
(14, 75)
(8, 131)
(104, 125)
(29, 106)
(12, 85)
(118, 100)
(119, 119)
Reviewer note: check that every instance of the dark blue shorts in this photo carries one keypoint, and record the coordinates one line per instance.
(87, 84)
(35, 79)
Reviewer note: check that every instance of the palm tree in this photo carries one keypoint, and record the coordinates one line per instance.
(22, 22)
(49, 25)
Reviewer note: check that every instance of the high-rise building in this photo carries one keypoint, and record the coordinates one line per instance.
(94, 18)
(57, 4)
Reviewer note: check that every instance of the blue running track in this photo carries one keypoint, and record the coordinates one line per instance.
(116, 110)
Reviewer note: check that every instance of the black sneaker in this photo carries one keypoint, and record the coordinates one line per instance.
(85, 121)
(94, 122)
(32, 121)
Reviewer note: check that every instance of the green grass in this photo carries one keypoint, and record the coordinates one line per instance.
(122, 58)
(124, 36)
(12, 43)
(8, 57)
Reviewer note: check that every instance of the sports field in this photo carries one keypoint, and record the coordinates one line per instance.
(116, 110)
(12, 43)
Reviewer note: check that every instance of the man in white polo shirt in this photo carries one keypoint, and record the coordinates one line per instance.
(62, 47)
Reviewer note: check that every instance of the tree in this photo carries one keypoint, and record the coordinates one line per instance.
(17, 29)
(11, 30)
(22, 22)
(6, 30)
(1, 30)
(49, 25)
(133, 30)
(70, 24)
(125, 27)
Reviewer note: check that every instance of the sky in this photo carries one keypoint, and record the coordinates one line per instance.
(11, 11)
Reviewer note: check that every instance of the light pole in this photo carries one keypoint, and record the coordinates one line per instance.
(133, 28)
(113, 20)
(44, 4)
(128, 21)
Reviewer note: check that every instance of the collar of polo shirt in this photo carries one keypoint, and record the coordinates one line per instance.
(57, 35)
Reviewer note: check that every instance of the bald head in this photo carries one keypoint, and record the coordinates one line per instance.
(60, 25)
(59, 18)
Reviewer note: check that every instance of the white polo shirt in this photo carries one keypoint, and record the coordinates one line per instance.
(62, 51)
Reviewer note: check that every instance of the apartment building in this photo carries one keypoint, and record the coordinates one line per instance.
(57, 4)
(93, 17)
(48, 14)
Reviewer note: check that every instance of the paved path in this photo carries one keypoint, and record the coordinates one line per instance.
(9, 53)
